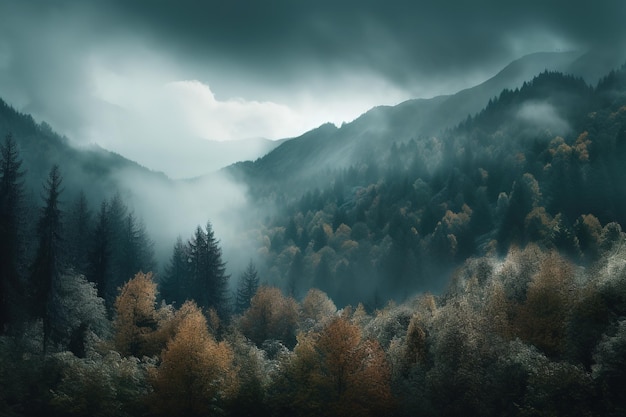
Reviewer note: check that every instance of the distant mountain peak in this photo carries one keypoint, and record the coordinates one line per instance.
(329, 147)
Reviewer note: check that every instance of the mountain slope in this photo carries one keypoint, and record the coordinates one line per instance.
(319, 150)
(542, 165)
(200, 157)
(92, 169)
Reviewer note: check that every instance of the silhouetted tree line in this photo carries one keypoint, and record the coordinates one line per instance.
(197, 272)
(64, 239)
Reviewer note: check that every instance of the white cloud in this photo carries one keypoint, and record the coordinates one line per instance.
(545, 116)
(161, 123)
(235, 118)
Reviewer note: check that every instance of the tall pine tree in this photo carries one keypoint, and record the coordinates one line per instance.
(78, 234)
(11, 189)
(208, 279)
(117, 214)
(175, 284)
(99, 259)
(136, 253)
(46, 267)
(246, 288)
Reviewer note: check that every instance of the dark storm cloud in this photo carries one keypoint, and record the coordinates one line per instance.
(399, 40)
(96, 70)
(288, 41)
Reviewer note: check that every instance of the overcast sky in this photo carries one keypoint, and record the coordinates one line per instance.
(142, 77)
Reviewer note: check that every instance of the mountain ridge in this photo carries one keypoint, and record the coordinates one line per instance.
(336, 148)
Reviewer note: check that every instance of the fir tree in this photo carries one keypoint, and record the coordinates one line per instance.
(136, 250)
(100, 253)
(247, 287)
(117, 215)
(175, 284)
(46, 267)
(209, 281)
(78, 232)
(10, 204)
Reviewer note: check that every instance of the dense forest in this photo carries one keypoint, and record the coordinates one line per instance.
(480, 272)
(542, 163)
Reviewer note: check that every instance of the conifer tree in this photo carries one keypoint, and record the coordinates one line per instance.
(78, 233)
(10, 204)
(46, 267)
(117, 213)
(208, 279)
(247, 287)
(136, 250)
(174, 286)
(100, 253)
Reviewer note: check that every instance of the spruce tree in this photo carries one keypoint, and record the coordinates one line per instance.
(208, 279)
(46, 267)
(11, 189)
(216, 283)
(117, 215)
(136, 252)
(247, 287)
(175, 284)
(99, 259)
(78, 234)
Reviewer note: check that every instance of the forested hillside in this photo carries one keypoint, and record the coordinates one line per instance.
(478, 272)
(543, 164)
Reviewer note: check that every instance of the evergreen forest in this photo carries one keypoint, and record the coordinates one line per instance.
(480, 271)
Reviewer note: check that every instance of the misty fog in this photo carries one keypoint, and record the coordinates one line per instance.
(333, 209)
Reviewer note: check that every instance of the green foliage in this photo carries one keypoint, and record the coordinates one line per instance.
(197, 272)
(11, 194)
(120, 248)
(100, 385)
(25, 377)
(246, 288)
(610, 369)
(47, 265)
(418, 208)
(77, 310)
(78, 233)
(524, 214)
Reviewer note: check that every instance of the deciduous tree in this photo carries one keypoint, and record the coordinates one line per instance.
(196, 375)
(136, 318)
(271, 316)
(334, 372)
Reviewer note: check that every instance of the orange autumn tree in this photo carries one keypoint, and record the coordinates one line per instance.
(271, 316)
(337, 373)
(196, 375)
(541, 320)
(317, 308)
(136, 318)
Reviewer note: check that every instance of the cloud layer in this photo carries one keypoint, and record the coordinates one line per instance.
(154, 73)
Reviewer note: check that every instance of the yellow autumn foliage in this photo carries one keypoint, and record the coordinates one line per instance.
(196, 374)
